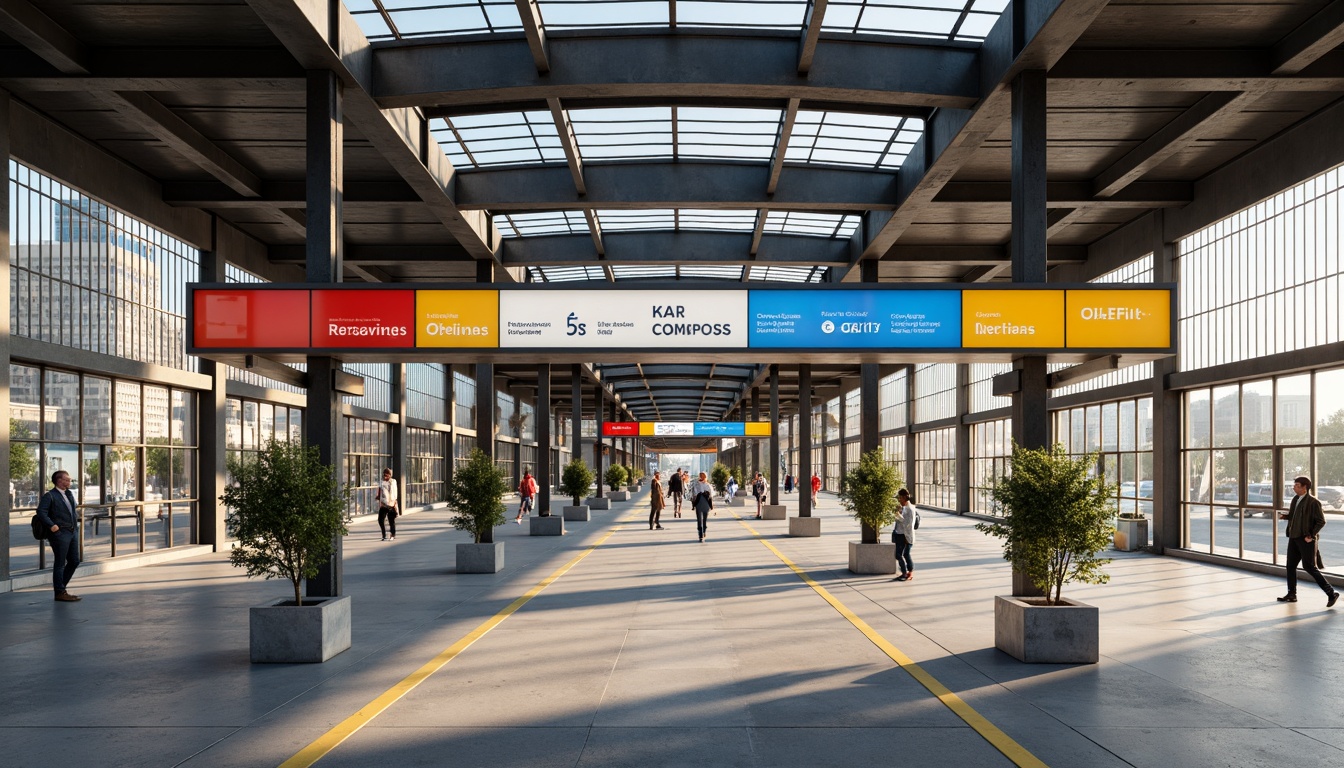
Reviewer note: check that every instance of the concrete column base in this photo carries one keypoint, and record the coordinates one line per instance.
(547, 526)
(577, 514)
(805, 526)
(774, 512)
(596, 503)
(737, 501)
(872, 558)
(480, 558)
(619, 495)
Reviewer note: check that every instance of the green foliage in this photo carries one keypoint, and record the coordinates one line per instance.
(615, 476)
(718, 476)
(868, 491)
(286, 510)
(576, 479)
(476, 493)
(22, 456)
(737, 474)
(636, 474)
(1057, 518)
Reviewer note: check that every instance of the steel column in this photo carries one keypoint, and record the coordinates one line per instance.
(805, 440)
(543, 468)
(773, 463)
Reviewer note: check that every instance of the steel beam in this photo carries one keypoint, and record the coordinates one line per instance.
(816, 14)
(1316, 37)
(568, 142)
(530, 14)
(739, 69)
(1072, 194)
(36, 31)
(782, 145)
(729, 248)
(1198, 71)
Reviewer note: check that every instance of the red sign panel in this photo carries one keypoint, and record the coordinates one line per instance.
(246, 319)
(620, 428)
(363, 319)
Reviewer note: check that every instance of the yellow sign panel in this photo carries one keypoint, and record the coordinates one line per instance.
(645, 428)
(757, 428)
(1108, 319)
(1017, 318)
(457, 318)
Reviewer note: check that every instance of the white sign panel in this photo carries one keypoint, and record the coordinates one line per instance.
(672, 319)
(673, 428)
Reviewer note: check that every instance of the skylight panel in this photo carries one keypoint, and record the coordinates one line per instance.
(643, 273)
(756, 14)
(811, 224)
(791, 274)
(838, 138)
(720, 221)
(512, 138)
(613, 134)
(723, 272)
(400, 19)
(939, 19)
(629, 221)
(570, 274)
(543, 223)
(590, 14)
(737, 134)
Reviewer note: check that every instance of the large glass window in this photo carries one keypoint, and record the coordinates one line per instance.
(1265, 280)
(131, 459)
(368, 452)
(87, 276)
(893, 399)
(935, 392)
(1244, 444)
(427, 392)
(936, 468)
(426, 465)
(1122, 432)
(991, 447)
(377, 385)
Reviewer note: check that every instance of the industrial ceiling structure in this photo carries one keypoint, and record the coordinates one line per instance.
(668, 144)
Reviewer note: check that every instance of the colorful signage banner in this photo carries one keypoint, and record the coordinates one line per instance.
(640, 319)
(864, 319)
(686, 428)
(300, 320)
(1029, 319)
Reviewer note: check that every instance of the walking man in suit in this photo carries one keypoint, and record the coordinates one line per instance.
(56, 510)
(1305, 520)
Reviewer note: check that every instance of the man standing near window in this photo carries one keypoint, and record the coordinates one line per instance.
(56, 510)
(1305, 520)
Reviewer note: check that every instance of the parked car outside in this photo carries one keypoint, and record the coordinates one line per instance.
(1331, 496)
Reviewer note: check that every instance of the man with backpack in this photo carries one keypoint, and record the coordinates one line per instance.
(56, 512)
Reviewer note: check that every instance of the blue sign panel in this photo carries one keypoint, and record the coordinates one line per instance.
(821, 319)
(720, 428)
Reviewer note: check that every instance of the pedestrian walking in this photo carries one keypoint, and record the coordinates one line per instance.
(758, 490)
(56, 510)
(903, 535)
(387, 504)
(816, 486)
(1305, 521)
(656, 501)
(527, 494)
(702, 498)
(676, 486)
(788, 483)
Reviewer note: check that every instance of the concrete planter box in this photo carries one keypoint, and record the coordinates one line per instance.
(577, 514)
(619, 495)
(480, 558)
(596, 503)
(1131, 534)
(283, 633)
(1030, 631)
(737, 501)
(774, 512)
(807, 527)
(632, 488)
(872, 558)
(552, 525)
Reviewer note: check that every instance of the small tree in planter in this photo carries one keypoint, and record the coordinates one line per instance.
(286, 510)
(636, 475)
(1057, 518)
(576, 479)
(868, 493)
(476, 492)
(615, 476)
(718, 477)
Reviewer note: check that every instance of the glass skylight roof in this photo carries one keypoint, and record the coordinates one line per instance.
(789, 274)
(954, 20)
(828, 225)
(878, 142)
(565, 274)
(762, 273)
(542, 223)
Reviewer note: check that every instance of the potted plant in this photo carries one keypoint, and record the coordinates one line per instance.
(575, 481)
(718, 477)
(476, 492)
(1057, 517)
(636, 478)
(1131, 531)
(286, 509)
(615, 478)
(868, 493)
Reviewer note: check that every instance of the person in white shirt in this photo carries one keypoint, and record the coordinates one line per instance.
(903, 535)
(702, 498)
(387, 504)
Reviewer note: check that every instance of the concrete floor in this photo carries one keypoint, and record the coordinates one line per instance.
(656, 650)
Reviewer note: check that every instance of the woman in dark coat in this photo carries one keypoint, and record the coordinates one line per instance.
(656, 502)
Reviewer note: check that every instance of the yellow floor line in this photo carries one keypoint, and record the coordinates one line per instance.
(351, 725)
(990, 732)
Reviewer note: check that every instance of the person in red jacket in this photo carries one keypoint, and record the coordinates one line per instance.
(816, 486)
(527, 490)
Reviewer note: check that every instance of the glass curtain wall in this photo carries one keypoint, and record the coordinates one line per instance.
(936, 469)
(368, 451)
(130, 449)
(991, 447)
(1122, 433)
(426, 465)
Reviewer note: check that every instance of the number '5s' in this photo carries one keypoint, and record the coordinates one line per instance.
(575, 328)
